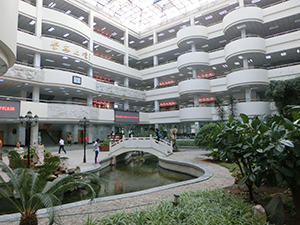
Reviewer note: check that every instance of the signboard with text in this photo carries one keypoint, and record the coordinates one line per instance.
(9, 109)
(126, 116)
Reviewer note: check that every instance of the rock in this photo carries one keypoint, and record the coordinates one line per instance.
(57, 172)
(274, 211)
(259, 213)
(71, 171)
(77, 169)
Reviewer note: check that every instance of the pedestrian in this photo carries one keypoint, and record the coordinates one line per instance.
(96, 149)
(158, 135)
(19, 149)
(86, 139)
(61, 145)
(69, 139)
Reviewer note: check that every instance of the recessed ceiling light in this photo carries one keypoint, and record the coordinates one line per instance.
(146, 62)
(241, 26)
(223, 12)
(204, 46)
(52, 4)
(81, 18)
(47, 89)
(225, 65)
(66, 64)
(84, 42)
(131, 42)
(177, 53)
(298, 51)
(283, 53)
(114, 34)
(268, 57)
(50, 91)
(68, 12)
(30, 55)
(122, 38)
(236, 63)
(209, 17)
(77, 61)
(96, 46)
(240, 57)
(49, 60)
(190, 42)
(274, 27)
(161, 58)
(138, 62)
(66, 34)
(51, 29)
(65, 57)
(181, 75)
(78, 91)
(103, 28)
(214, 68)
(171, 31)
(150, 38)
(81, 68)
(94, 23)
(32, 22)
(161, 34)
(222, 41)
(250, 60)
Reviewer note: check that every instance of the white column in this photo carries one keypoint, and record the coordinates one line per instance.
(89, 100)
(241, 3)
(21, 134)
(196, 100)
(34, 134)
(75, 134)
(194, 74)
(89, 131)
(23, 94)
(248, 94)
(126, 40)
(245, 63)
(126, 105)
(38, 24)
(193, 47)
(126, 82)
(155, 82)
(155, 60)
(155, 37)
(37, 60)
(192, 20)
(35, 94)
(91, 25)
(243, 33)
(156, 106)
(90, 72)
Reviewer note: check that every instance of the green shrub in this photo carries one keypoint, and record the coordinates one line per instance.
(105, 142)
(185, 143)
(203, 134)
(195, 207)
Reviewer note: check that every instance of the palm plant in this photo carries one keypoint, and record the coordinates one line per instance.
(220, 109)
(27, 191)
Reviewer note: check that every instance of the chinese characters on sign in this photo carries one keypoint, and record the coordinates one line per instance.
(9, 109)
(66, 49)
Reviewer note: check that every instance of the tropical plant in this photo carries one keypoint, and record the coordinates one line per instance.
(203, 134)
(105, 142)
(231, 105)
(27, 191)
(220, 108)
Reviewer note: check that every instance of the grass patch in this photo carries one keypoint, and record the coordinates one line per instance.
(232, 167)
(201, 207)
(185, 143)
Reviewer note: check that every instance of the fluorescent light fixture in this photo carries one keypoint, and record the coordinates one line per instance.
(190, 42)
(77, 61)
(138, 62)
(150, 38)
(32, 22)
(96, 46)
(222, 41)
(68, 12)
(26, 84)
(298, 51)
(66, 64)
(181, 75)
(171, 31)
(84, 42)
(142, 41)
(236, 63)
(81, 18)
(283, 53)
(297, 21)
(183, 26)
(50, 91)
(122, 38)
(255, 1)
(146, 62)
(49, 60)
(94, 24)
(114, 34)
(205, 46)
(1, 80)
(66, 34)
(197, 21)
(161, 58)
(52, 4)
(268, 57)
(62, 88)
(209, 17)
(189, 68)
(78, 91)
(66, 93)
(65, 57)
(119, 54)
(103, 28)
(250, 60)
(274, 27)
(190, 72)
(214, 68)
(30, 55)
(51, 29)
(231, 3)
(225, 65)
(131, 42)
(47, 89)
(177, 53)
(172, 76)
(160, 34)
(19, 85)
(223, 12)
(241, 26)
(81, 68)
(108, 50)
(240, 57)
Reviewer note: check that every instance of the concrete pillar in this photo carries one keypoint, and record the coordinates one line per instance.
(37, 60)
(36, 94)
(34, 134)
(193, 47)
(192, 21)
(91, 25)
(90, 72)
(241, 3)
(245, 63)
(23, 94)
(248, 94)
(156, 106)
(196, 100)
(194, 74)
(21, 131)
(243, 33)
(126, 82)
(155, 82)
(89, 132)
(38, 23)
(75, 133)
(155, 60)
(126, 105)
(126, 40)
(155, 38)
(89, 100)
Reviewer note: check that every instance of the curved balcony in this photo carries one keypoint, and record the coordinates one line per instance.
(194, 86)
(245, 46)
(193, 59)
(192, 32)
(247, 77)
(242, 16)
(195, 114)
(8, 34)
(253, 108)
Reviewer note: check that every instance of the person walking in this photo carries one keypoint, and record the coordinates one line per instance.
(61, 145)
(158, 135)
(96, 149)
(69, 139)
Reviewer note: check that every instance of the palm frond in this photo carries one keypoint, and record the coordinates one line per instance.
(13, 155)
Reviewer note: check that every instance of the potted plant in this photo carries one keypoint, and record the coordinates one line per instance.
(104, 146)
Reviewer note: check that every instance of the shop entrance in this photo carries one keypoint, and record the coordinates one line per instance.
(80, 136)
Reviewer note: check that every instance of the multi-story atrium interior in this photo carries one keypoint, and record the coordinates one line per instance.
(162, 61)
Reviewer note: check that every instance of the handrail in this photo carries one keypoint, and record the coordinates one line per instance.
(282, 33)
(26, 31)
(247, 36)
(29, 2)
(275, 3)
(101, 56)
(64, 39)
(24, 64)
(64, 69)
(238, 7)
(110, 38)
(283, 65)
(249, 68)
(190, 50)
(62, 11)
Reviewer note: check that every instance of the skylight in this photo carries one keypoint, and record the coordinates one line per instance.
(142, 14)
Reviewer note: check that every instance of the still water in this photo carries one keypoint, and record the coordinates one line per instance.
(138, 174)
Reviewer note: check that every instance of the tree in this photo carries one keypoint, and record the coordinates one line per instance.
(283, 93)
(220, 109)
(203, 133)
(28, 191)
(231, 105)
